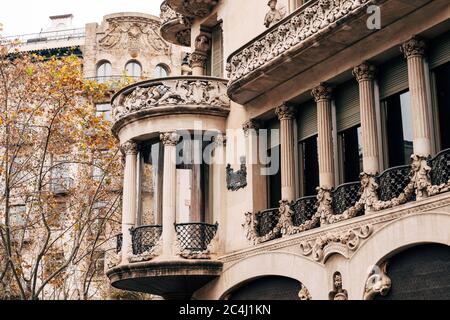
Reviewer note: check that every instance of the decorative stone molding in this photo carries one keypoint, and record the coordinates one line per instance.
(413, 48)
(338, 292)
(193, 93)
(134, 33)
(364, 72)
(321, 92)
(251, 125)
(175, 27)
(129, 148)
(170, 138)
(285, 112)
(349, 240)
(193, 8)
(237, 180)
(378, 282)
(274, 15)
(317, 18)
(154, 252)
(304, 294)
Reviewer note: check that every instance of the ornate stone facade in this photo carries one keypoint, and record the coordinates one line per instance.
(193, 8)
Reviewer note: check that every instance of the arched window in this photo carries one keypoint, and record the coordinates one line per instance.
(133, 69)
(161, 71)
(104, 71)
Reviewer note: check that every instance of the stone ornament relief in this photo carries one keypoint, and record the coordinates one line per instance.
(378, 282)
(154, 252)
(274, 15)
(197, 92)
(338, 293)
(304, 294)
(169, 15)
(193, 8)
(313, 20)
(134, 34)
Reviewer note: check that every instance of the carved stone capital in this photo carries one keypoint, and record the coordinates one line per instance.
(251, 125)
(198, 60)
(129, 148)
(321, 92)
(169, 138)
(413, 48)
(285, 112)
(364, 72)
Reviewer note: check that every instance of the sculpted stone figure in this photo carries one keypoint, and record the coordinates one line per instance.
(274, 15)
(338, 293)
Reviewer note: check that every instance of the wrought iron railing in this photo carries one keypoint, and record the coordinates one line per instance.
(266, 221)
(393, 182)
(303, 210)
(345, 196)
(195, 237)
(440, 167)
(45, 36)
(119, 242)
(145, 238)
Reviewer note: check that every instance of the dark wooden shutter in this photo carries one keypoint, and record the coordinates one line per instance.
(440, 51)
(393, 77)
(307, 120)
(217, 52)
(347, 105)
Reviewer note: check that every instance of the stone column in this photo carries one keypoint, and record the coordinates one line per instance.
(170, 140)
(365, 74)
(197, 63)
(322, 96)
(129, 204)
(286, 115)
(414, 51)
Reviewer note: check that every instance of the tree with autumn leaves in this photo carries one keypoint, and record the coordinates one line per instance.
(59, 179)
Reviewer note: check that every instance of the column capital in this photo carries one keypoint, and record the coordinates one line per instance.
(321, 92)
(413, 47)
(220, 140)
(364, 72)
(285, 112)
(129, 148)
(251, 124)
(197, 60)
(169, 138)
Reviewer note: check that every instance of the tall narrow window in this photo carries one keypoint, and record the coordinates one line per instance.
(217, 51)
(133, 69)
(399, 131)
(104, 71)
(443, 98)
(161, 71)
(274, 154)
(351, 148)
(309, 166)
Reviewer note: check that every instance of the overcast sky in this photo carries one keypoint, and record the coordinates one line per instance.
(30, 16)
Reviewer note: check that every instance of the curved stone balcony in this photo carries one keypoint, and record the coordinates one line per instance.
(184, 96)
(193, 8)
(313, 33)
(175, 28)
(171, 277)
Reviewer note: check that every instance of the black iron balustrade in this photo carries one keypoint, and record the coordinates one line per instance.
(195, 237)
(119, 242)
(345, 196)
(440, 168)
(393, 182)
(304, 210)
(266, 221)
(145, 238)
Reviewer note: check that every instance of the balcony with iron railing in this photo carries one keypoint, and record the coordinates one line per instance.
(315, 32)
(393, 188)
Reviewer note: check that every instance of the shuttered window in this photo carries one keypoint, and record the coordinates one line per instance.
(393, 77)
(347, 105)
(440, 51)
(217, 52)
(307, 120)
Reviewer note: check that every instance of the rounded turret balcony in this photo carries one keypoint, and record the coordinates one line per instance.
(169, 104)
(175, 28)
(193, 8)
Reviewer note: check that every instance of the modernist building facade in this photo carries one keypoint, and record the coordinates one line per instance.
(354, 96)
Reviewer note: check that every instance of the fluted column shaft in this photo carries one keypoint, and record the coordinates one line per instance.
(414, 51)
(286, 115)
(170, 141)
(129, 201)
(322, 96)
(365, 74)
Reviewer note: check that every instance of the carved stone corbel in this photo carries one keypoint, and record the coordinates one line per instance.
(378, 282)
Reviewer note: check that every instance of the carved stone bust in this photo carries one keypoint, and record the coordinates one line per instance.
(274, 15)
(338, 292)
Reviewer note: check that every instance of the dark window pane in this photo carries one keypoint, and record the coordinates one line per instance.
(443, 97)
(399, 129)
(352, 154)
(310, 166)
(274, 180)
